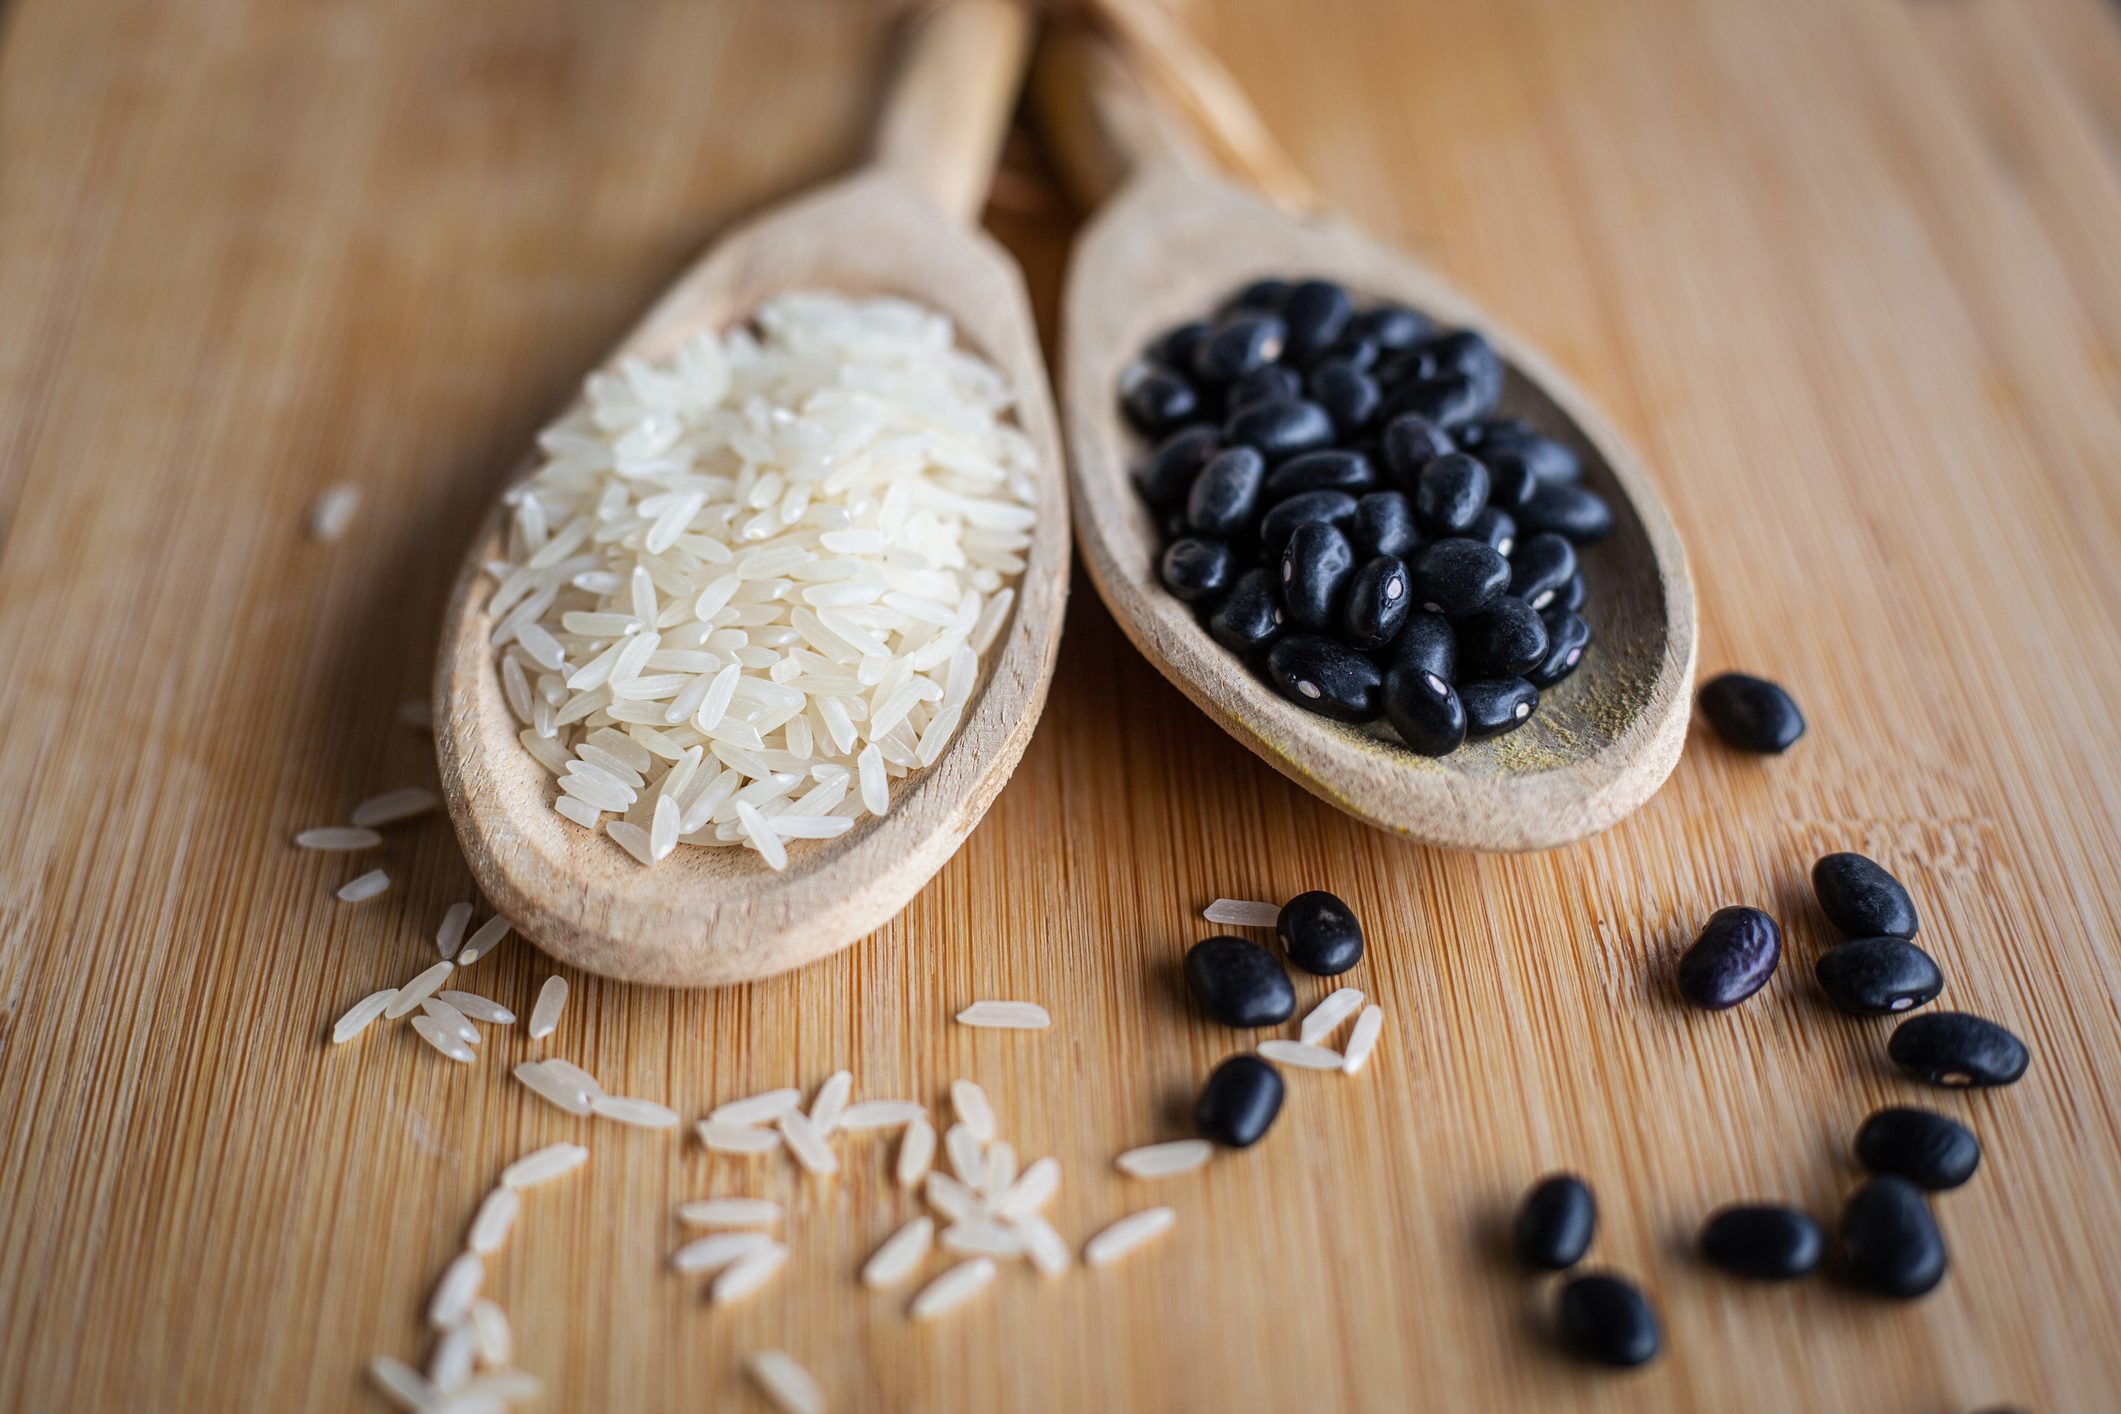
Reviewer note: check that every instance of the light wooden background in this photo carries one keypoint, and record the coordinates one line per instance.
(1846, 270)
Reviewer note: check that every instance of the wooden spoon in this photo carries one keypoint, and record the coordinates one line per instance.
(1171, 245)
(902, 225)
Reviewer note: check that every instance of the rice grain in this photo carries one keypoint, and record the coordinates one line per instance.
(1325, 1018)
(1164, 1160)
(831, 1102)
(333, 511)
(360, 1014)
(1127, 1234)
(1301, 1055)
(711, 1254)
(545, 1013)
(1242, 913)
(418, 990)
(737, 1138)
(786, 1383)
(459, 1283)
(744, 1277)
(953, 1288)
(730, 1212)
(491, 1225)
(1368, 1027)
(757, 1109)
(969, 1103)
(1021, 1016)
(881, 1114)
(364, 887)
(478, 1008)
(642, 1114)
(808, 1146)
(544, 1165)
(338, 838)
(916, 1152)
(901, 1254)
(450, 936)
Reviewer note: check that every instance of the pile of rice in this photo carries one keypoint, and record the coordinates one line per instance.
(751, 584)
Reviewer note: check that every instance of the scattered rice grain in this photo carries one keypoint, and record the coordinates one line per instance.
(1026, 1016)
(1164, 1160)
(1301, 1055)
(1242, 913)
(1368, 1027)
(366, 887)
(786, 1383)
(338, 837)
(1325, 1018)
(1127, 1234)
(901, 1254)
(544, 1165)
(953, 1288)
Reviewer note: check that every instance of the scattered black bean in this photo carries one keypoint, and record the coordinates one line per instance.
(1316, 313)
(1878, 976)
(1328, 470)
(1383, 525)
(1862, 899)
(1927, 1149)
(1246, 342)
(1568, 636)
(1225, 496)
(1751, 713)
(1168, 475)
(1249, 616)
(1542, 565)
(1409, 444)
(1555, 1223)
(1315, 569)
(1239, 1102)
(1424, 709)
(1320, 934)
(1274, 383)
(1325, 677)
(1158, 401)
(1733, 958)
(1568, 510)
(1762, 1241)
(1497, 705)
(1196, 569)
(1449, 493)
(1952, 1048)
(1494, 527)
(1348, 395)
(1280, 427)
(1239, 982)
(1335, 508)
(1889, 1240)
(1604, 1318)
(1455, 577)
(1375, 605)
(1503, 640)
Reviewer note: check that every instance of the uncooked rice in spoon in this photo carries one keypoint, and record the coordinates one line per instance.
(755, 579)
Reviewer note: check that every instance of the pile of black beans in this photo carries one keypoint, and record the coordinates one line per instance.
(1347, 513)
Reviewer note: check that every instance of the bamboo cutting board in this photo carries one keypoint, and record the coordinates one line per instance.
(1843, 269)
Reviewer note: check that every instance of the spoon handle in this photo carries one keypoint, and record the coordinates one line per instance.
(950, 100)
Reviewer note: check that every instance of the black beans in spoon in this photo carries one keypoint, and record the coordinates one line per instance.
(1281, 427)
(1925, 1148)
(1605, 1318)
(1956, 1050)
(1732, 958)
(1493, 526)
(1157, 400)
(1238, 1104)
(1449, 493)
(1889, 1239)
(1555, 1223)
(1349, 395)
(1195, 568)
(1239, 346)
(1878, 976)
(1376, 604)
(1336, 508)
(1316, 312)
(1425, 710)
(1497, 705)
(1568, 638)
(1583, 516)
(1427, 642)
(1239, 982)
(1751, 713)
(1320, 934)
(1168, 475)
(1224, 500)
(1383, 525)
(1315, 569)
(1250, 615)
(1540, 567)
(1328, 470)
(1762, 1241)
(1505, 640)
(1457, 576)
(1325, 677)
(1411, 443)
(1862, 899)
(1273, 383)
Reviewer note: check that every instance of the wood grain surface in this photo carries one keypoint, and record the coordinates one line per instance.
(1844, 270)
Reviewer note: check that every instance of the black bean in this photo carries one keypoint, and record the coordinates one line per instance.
(1197, 570)
(1238, 1104)
(1281, 427)
(1762, 1241)
(1572, 595)
(1426, 643)
(1225, 496)
(1581, 515)
(1335, 508)
(1889, 1240)
(1878, 976)
(1330, 470)
(1494, 527)
(1542, 565)
(1316, 313)
(1549, 460)
(1168, 475)
(1249, 616)
(1733, 958)
(1156, 400)
(1383, 525)
(1604, 1318)
(1504, 640)
(1315, 569)
(1510, 481)
(1555, 1223)
(1425, 710)
(1409, 444)
(1326, 677)
(1448, 400)
(1348, 395)
(1497, 430)
(1263, 385)
(1176, 347)
(1375, 605)
(1862, 899)
(1457, 576)
(1568, 637)
(1238, 346)
(1751, 713)
(1924, 1148)
(1320, 934)
(1267, 296)
(1357, 351)
(1239, 982)
(1497, 705)
(1955, 1049)
(1449, 492)
(1393, 326)
(1468, 354)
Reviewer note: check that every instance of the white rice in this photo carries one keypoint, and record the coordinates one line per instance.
(916, 1151)
(450, 936)
(968, 1158)
(742, 1278)
(1242, 913)
(451, 1020)
(1368, 1027)
(450, 1365)
(460, 1282)
(490, 1226)
(782, 547)
(953, 1288)
(1022, 1016)
(969, 1103)
(1127, 1234)
(711, 1254)
(1044, 1245)
(757, 1109)
(730, 1212)
(479, 1008)
(333, 511)
(831, 1102)
(338, 837)
(545, 1014)
(1164, 1160)
(418, 990)
(642, 1114)
(435, 1034)
(901, 1254)
(360, 1014)
(999, 1171)
(573, 1074)
(982, 1237)
(489, 1393)
(544, 1165)
(737, 1138)
(1325, 1018)
(1031, 1191)
(482, 942)
(365, 887)
(497, 1342)
(786, 1383)
(1300, 1055)
(548, 1085)
(393, 806)
(881, 1114)
(808, 1146)
(401, 1384)
(951, 1198)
